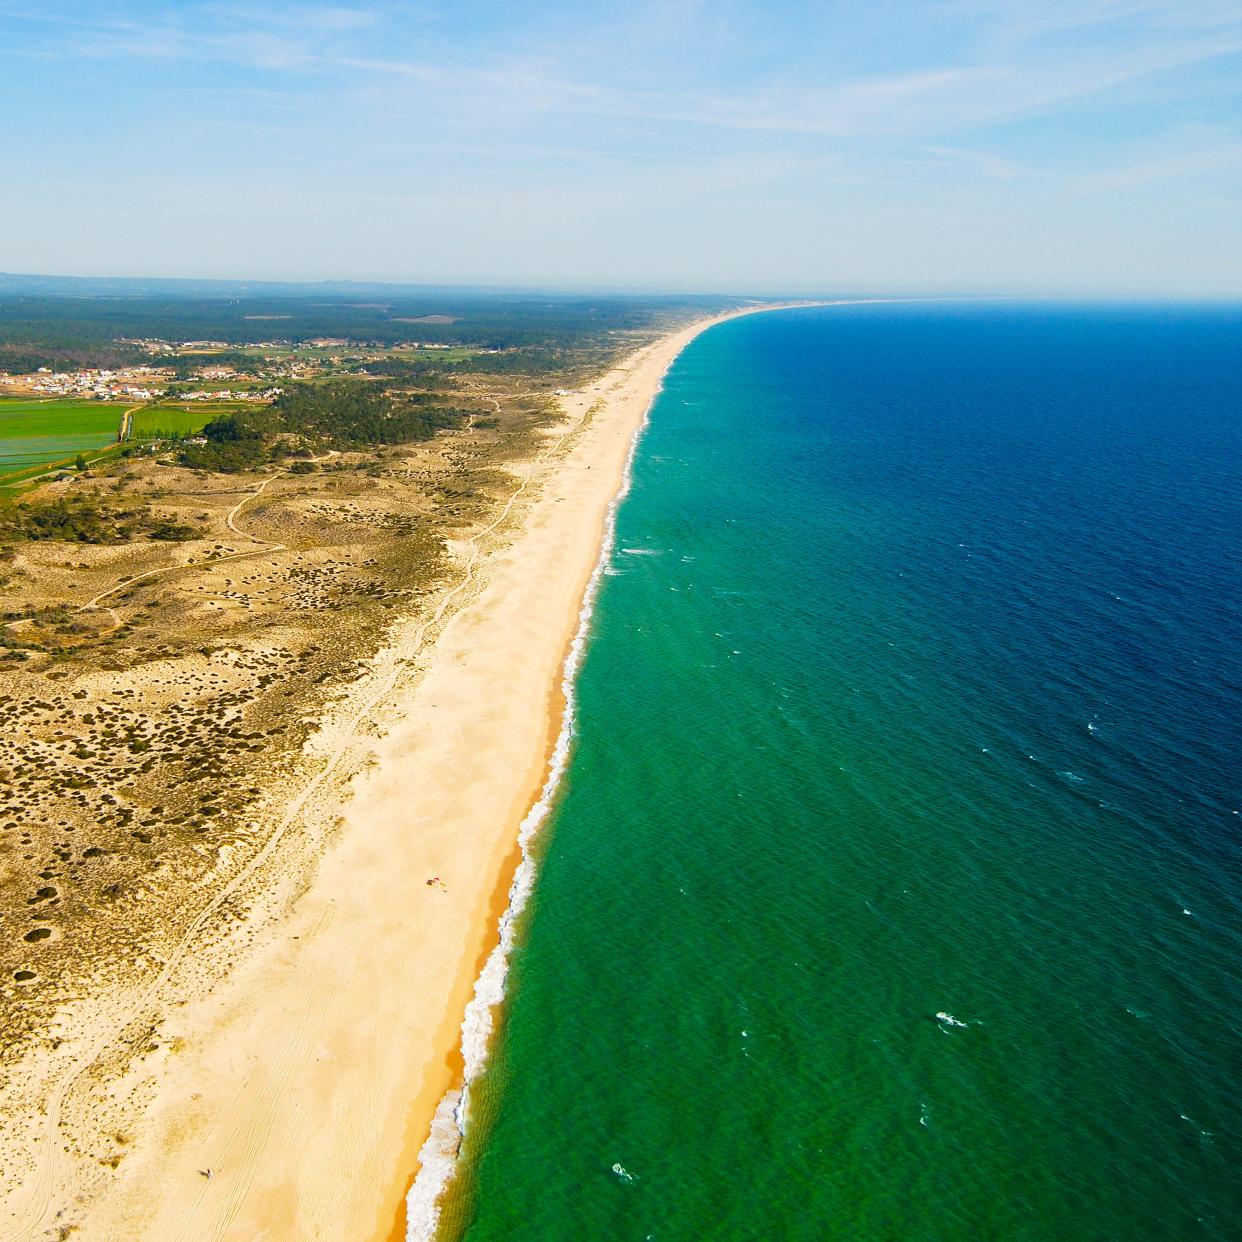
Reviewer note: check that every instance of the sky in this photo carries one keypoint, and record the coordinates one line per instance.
(989, 146)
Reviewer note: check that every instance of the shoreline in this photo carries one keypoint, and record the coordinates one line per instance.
(438, 1158)
(418, 1218)
(307, 1081)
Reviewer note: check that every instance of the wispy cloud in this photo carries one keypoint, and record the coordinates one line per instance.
(940, 100)
(300, 17)
(1013, 73)
(983, 163)
(268, 38)
(917, 116)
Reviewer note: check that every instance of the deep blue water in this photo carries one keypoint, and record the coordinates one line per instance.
(895, 887)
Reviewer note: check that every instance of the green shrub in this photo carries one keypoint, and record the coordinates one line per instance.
(83, 519)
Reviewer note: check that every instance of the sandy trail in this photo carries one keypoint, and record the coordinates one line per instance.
(230, 520)
(265, 545)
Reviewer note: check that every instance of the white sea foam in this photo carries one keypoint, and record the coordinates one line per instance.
(624, 1175)
(438, 1158)
(947, 1019)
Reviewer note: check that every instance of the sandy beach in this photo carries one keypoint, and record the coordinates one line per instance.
(299, 1091)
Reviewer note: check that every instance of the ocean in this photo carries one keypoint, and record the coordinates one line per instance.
(893, 888)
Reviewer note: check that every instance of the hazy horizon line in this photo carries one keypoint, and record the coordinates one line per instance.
(261, 284)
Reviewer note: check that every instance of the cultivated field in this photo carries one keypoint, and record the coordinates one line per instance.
(155, 422)
(36, 435)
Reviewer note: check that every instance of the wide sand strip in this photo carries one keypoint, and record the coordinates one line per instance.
(306, 1082)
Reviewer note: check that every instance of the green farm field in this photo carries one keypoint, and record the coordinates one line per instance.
(36, 434)
(155, 422)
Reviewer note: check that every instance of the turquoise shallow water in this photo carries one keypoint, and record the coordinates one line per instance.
(894, 887)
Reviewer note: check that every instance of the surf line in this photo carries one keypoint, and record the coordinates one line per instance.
(438, 1156)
